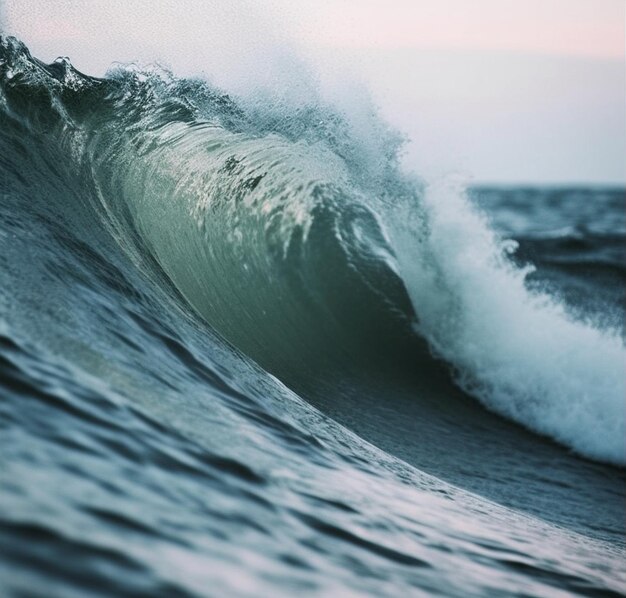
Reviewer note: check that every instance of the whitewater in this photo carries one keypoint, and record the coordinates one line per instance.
(243, 352)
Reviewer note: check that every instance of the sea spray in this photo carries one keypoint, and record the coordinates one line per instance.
(518, 351)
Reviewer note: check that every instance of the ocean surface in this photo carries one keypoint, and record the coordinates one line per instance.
(243, 353)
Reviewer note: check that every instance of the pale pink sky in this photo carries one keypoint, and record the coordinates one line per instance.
(502, 90)
(572, 27)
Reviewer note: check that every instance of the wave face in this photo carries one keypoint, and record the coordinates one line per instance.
(164, 240)
(312, 255)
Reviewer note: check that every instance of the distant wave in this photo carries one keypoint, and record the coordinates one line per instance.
(299, 239)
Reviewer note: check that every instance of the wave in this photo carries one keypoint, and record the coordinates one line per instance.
(294, 233)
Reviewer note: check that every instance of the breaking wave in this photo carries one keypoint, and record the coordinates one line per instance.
(296, 236)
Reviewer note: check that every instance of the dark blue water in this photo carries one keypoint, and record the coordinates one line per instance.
(239, 358)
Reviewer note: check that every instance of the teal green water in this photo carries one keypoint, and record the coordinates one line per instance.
(243, 353)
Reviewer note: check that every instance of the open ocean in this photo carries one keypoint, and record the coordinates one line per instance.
(243, 353)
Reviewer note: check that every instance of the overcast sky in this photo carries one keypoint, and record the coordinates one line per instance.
(530, 91)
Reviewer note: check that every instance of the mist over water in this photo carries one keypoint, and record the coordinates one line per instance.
(244, 352)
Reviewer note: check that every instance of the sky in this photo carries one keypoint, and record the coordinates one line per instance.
(497, 91)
